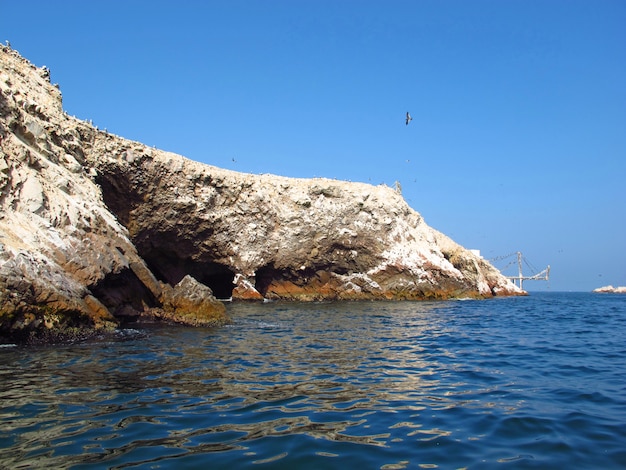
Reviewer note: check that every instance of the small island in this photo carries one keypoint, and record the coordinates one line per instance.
(610, 290)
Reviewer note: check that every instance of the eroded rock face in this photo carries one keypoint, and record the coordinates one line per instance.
(66, 263)
(252, 237)
(94, 228)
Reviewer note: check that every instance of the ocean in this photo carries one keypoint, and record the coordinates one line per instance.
(521, 382)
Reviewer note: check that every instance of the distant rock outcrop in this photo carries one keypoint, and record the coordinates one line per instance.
(95, 228)
(610, 290)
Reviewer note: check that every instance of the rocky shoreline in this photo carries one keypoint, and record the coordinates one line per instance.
(97, 230)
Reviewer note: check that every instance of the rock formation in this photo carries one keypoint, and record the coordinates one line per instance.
(95, 228)
(610, 290)
(66, 263)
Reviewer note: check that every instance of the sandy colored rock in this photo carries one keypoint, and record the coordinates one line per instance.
(192, 303)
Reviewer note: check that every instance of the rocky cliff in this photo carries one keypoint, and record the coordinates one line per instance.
(66, 263)
(95, 228)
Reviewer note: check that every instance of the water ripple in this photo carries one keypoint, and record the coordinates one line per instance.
(524, 383)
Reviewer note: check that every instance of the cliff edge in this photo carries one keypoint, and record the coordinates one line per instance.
(95, 229)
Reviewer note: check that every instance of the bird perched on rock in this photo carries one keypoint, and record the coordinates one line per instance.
(408, 118)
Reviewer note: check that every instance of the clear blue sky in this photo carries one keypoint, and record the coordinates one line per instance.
(518, 138)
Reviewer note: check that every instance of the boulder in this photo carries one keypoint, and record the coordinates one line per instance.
(192, 303)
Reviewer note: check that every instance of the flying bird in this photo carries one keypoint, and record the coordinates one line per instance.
(408, 118)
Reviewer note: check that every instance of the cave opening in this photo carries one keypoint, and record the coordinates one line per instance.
(124, 294)
(264, 277)
(171, 269)
(269, 274)
(219, 278)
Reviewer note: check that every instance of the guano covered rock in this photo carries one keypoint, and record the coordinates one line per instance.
(96, 229)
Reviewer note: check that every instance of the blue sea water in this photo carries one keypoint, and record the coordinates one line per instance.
(526, 382)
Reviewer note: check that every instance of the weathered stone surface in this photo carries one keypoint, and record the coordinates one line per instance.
(66, 263)
(97, 228)
(191, 303)
(282, 238)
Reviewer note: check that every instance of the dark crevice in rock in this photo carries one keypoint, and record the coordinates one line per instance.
(264, 277)
(118, 195)
(170, 268)
(270, 276)
(220, 279)
(267, 275)
(166, 250)
(123, 294)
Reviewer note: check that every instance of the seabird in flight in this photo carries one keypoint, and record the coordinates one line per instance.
(408, 118)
